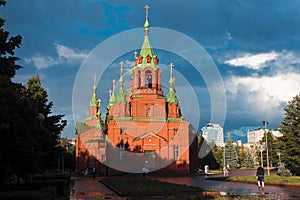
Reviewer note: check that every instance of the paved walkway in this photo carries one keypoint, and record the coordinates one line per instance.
(89, 189)
(271, 192)
(86, 188)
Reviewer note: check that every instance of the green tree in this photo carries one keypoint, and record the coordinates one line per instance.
(242, 154)
(29, 134)
(231, 156)
(290, 128)
(218, 155)
(47, 133)
(8, 66)
(272, 149)
(206, 156)
(13, 146)
(249, 161)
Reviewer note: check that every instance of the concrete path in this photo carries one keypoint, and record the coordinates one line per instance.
(89, 189)
(86, 188)
(271, 192)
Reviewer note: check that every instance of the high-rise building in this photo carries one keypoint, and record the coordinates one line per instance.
(143, 127)
(257, 135)
(213, 133)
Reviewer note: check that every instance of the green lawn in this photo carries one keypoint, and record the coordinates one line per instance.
(272, 179)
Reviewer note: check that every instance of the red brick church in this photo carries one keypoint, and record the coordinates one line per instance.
(143, 127)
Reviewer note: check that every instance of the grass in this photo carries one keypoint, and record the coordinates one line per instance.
(272, 179)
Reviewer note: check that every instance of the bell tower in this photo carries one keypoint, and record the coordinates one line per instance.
(147, 100)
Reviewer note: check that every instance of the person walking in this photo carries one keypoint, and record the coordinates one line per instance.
(260, 173)
(86, 172)
(94, 172)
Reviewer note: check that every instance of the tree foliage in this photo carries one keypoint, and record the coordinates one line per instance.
(29, 134)
(290, 128)
(249, 161)
(231, 156)
(206, 156)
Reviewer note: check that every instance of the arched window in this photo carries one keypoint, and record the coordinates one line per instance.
(138, 79)
(148, 79)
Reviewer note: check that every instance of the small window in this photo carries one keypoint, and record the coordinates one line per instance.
(175, 152)
(121, 152)
(122, 131)
(175, 131)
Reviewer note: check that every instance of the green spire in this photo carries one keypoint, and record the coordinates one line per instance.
(93, 101)
(146, 54)
(121, 94)
(112, 98)
(171, 97)
(146, 49)
(98, 124)
(121, 97)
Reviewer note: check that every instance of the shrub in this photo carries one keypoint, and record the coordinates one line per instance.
(283, 171)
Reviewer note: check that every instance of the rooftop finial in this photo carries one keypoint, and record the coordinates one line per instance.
(146, 25)
(95, 83)
(114, 85)
(121, 68)
(93, 101)
(171, 65)
(135, 53)
(171, 81)
(147, 8)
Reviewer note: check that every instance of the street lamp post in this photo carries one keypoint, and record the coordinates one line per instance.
(261, 149)
(278, 153)
(224, 162)
(265, 123)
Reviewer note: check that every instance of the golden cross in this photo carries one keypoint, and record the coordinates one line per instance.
(147, 8)
(110, 93)
(135, 53)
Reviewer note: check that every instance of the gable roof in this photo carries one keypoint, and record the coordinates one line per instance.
(149, 134)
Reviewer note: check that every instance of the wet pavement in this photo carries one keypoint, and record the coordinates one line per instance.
(88, 189)
(271, 192)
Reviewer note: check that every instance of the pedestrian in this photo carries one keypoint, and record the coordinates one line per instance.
(226, 171)
(260, 174)
(86, 172)
(94, 172)
(145, 172)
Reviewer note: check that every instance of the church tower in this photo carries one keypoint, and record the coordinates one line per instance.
(143, 127)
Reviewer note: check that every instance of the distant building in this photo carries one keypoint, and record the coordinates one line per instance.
(213, 133)
(238, 143)
(257, 135)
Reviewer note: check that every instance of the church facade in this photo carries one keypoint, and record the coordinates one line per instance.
(143, 127)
